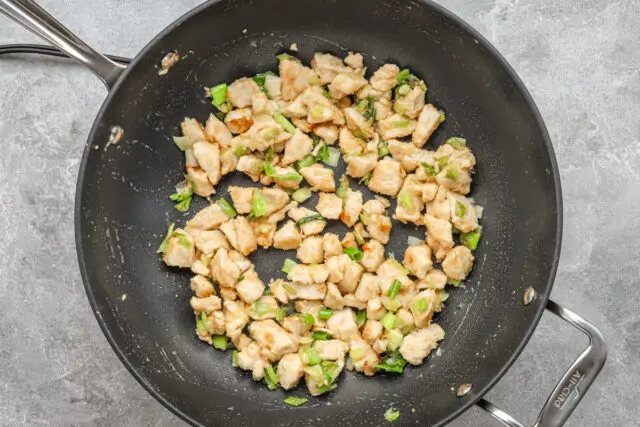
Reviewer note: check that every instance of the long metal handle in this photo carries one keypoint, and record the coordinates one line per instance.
(33, 17)
(574, 383)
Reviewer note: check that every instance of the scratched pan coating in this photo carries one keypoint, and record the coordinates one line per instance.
(122, 208)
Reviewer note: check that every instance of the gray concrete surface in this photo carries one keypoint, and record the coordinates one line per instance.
(579, 58)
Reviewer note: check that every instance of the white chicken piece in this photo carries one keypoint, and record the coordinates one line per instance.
(295, 78)
(352, 207)
(241, 198)
(349, 143)
(208, 218)
(295, 325)
(228, 160)
(350, 300)
(354, 60)
(328, 132)
(296, 108)
(319, 177)
(199, 181)
(205, 305)
(369, 287)
(384, 108)
(310, 250)
(374, 206)
(349, 240)
(372, 331)
(327, 67)
(440, 230)
(346, 84)
(241, 91)
(417, 259)
(463, 214)
(379, 227)
(180, 250)
(368, 91)
(297, 147)
(264, 133)
(412, 103)
(209, 241)
(422, 307)
(439, 251)
(217, 131)
(224, 270)
(375, 309)
(278, 216)
(410, 205)
(312, 308)
(435, 279)
(250, 288)
(235, 317)
(239, 121)
(283, 178)
(275, 198)
(342, 324)
(290, 371)
(287, 237)
(419, 343)
(454, 178)
(278, 288)
(458, 263)
(428, 122)
(200, 268)
(240, 235)
(308, 228)
(273, 85)
(389, 271)
(404, 321)
(316, 291)
(402, 152)
(308, 274)
(385, 77)
(302, 124)
(331, 245)
(240, 261)
(335, 266)
(202, 287)
(373, 255)
(440, 206)
(387, 177)
(331, 349)
(193, 131)
(333, 297)
(261, 105)
(215, 323)
(241, 341)
(352, 275)
(357, 123)
(264, 307)
(396, 126)
(321, 109)
(363, 357)
(250, 359)
(252, 166)
(329, 205)
(359, 166)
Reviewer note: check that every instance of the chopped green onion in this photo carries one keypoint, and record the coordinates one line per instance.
(404, 90)
(388, 321)
(366, 178)
(301, 194)
(361, 318)
(442, 161)
(391, 414)
(259, 206)
(281, 313)
(310, 218)
(332, 158)
(259, 308)
(165, 243)
(307, 319)
(284, 122)
(270, 377)
(260, 80)
(420, 306)
(394, 289)
(461, 209)
(183, 240)
(457, 142)
(330, 371)
(401, 123)
(287, 287)
(310, 356)
(295, 401)
(226, 207)
(394, 339)
(314, 372)
(220, 342)
(343, 187)
(182, 142)
(322, 153)
(393, 363)
(288, 266)
(403, 75)
(398, 266)
(442, 116)
(270, 170)
(354, 253)
(325, 313)
(405, 200)
(357, 354)
(471, 239)
(218, 94)
(286, 57)
(428, 169)
(234, 359)
(367, 108)
(182, 196)
(391, 304)
(321, 335)
(202, 330)
(383, 149)
(452, 173)
(241, 150)
(306, 162)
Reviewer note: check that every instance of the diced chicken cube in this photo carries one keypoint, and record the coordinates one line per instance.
(328, 132)
(454, 178)
(385, 77)
(250, 288)
(349, 143)
(310, 250)
(346, 84)
(240, 235)
(273, 85)
(290, 371)
(417, 259)
(387, 177)
(419, 343)
(331, 245)
(458, 263)
(312, 308)
(202, 287)
(241, 198)
(402, 152)
(354, 60)
(224, 270)
(327, 67)
(331, 349)
(404, 321)
(264, 307)
(235, 317)
(411, 104)
(261, 105)
(375, 309)
(295, 325)
(434, 279)
(359, 166)
(199, 181)
(374, 206)
(357, 123)
(422, 307)
(428, 122)
(316, 291)
(373, 255)
(228, 160)
(241, 91)
(282, 290)
(463, 213)
(352, 274)
(252, 166)
(209, 241)
(308, 228)
(208, 218)
(372, 331)
(363, 357)
(350, 300)
(296, 108)
(205, 305)
(396, 126)
(295, 78)
(379, 227)
(192, 130)
(200, 268)
(335, 266)
(217, 131)
(180, 250)
(239, 121)
(287, 237)
(329, 205)
(352, 207)
(319, 177)
(215, 323)
(333, 297)
(297, 147)
(342, 324)
(309, 274)
(369, 287)
(440, 230)
(384, 108)
(250, 359)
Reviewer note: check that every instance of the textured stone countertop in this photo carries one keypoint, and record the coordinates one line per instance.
(579, 58)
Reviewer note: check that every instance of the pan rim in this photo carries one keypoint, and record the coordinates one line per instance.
(464, 26)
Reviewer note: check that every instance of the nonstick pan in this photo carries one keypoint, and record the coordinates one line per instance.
(122, 209)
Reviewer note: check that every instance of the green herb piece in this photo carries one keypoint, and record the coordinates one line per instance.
(226, 207)
(405, 200)
(322, 153)
(442, 116)
(367, 108)
(182, 196)
(354, 253)
(366, 178)
(332, 158)
(343, 187)
(284, 122)
(442, 161)
(234, 359)
(165, 243)
(394, 289)
(260, 79)
(310, 356)
(219, 94)
(305, 162)
(330, 372)
(270, 170)
(288, 266)
(388, 321)
(403, 90)
(391, 304)
(259, 308)
(471, 239)
(314, 372)
(220, 342)
(394, 339)
(287, 287)
(452, 173)
(420, 306)
(281, 313)
(457, 142)
(321, 336)
(461, 209)
(325, 313)
(241, 150)
(403, 76)
(361, 318)
(383, 149)
(307, 319)
(357, 354)
(310, 218)
(287, 57)
(391, 414)
(301, 194)
(401, 123)
(295, 401)
(428, 169)
(393, 363)
(270, 377)
(259, 205)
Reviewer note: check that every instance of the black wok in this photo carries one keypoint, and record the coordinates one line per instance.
(122, 208)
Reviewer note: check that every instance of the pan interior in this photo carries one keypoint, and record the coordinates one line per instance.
(123, 208)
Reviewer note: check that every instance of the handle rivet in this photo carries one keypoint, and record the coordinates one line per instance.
(464, 389)
(529, 295)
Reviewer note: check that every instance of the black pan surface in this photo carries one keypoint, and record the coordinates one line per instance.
(123, 210)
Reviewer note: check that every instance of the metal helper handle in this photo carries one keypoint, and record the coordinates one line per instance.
(33, 17)
(574, 383)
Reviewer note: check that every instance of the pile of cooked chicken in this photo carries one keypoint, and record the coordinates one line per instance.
(343, 302)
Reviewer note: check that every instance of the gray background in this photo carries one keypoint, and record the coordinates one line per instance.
(579, 58)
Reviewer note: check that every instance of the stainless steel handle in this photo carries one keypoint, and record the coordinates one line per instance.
(574, 383)
(33, 17)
